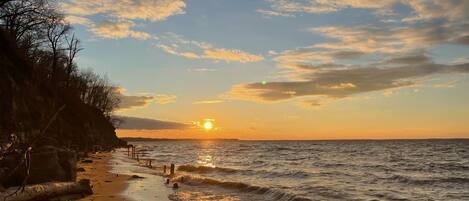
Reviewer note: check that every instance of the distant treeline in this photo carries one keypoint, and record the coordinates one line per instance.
(39, 29)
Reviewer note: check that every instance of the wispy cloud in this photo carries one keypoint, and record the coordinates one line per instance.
(310, 104)
(311, 55)
(154, 10)
(270, 13)
(390, 39)
(118, 29)
(449, 84)
(423, 9)
(72, 19)
(208, 101)
(178, 45)
(164, 99)
(290, 7)
(231, 55)
(201, 70)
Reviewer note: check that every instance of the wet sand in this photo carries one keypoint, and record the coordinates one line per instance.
(106, 185)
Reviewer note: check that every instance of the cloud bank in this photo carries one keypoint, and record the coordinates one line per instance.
(363, 58)
(120, 15)
(347, 80)
(138, 101)
(136, 123)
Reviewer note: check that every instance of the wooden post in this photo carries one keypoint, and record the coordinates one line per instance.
(128, 151)
(172, 169)
(150, 163)
(164, 169)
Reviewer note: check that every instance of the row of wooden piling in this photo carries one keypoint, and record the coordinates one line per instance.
(134, 154)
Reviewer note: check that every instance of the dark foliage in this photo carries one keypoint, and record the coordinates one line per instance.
(39, 79)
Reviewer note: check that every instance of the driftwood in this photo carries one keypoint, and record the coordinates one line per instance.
(47, 191)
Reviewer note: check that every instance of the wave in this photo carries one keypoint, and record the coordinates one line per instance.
(205, 169)
(272, 194)
(410, 180)
(262, 173)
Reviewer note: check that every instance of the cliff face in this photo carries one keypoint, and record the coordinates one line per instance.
(44, 115)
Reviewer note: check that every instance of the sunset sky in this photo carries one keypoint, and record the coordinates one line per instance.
(281, 69)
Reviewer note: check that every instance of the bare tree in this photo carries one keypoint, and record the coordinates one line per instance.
(24, 17)
(56, 29)
(3, 2)
(73, 47)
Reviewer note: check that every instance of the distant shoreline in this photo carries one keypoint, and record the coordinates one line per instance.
(136, 139)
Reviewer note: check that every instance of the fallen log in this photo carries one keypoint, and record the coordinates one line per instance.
(46, 191)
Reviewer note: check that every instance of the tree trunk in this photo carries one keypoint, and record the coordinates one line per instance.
(47, 191)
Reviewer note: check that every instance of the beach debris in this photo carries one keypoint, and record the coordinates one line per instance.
(175, 185)
(87, 161)
(137, 177)
(47, 191)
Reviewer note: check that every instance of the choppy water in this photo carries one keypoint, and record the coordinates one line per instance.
(317, 170)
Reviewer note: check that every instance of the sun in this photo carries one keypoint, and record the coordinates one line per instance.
(208, 125)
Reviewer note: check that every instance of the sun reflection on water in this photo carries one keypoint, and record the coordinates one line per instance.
(205, 155)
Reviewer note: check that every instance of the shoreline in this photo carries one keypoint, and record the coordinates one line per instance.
(114, 176)
(106, 185)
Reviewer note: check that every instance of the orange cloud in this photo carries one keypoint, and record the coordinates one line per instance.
(119, 29)
(178, 45)
(120, 15)
(154, 10)
(232, 55)
(208, 102)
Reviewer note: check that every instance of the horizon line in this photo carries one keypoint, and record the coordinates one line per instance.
(234, 139)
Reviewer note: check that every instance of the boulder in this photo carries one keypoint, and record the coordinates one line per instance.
(46, 167)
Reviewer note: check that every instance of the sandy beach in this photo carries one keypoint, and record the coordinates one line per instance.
(111, 175)
(106, 185)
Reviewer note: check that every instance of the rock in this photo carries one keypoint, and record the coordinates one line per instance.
(87, 161)
(68, 161)
(45, 166)
(86, 185)
(82, 154)
(137, 177)
(81, 170)
(48, 163)
(175, 185)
